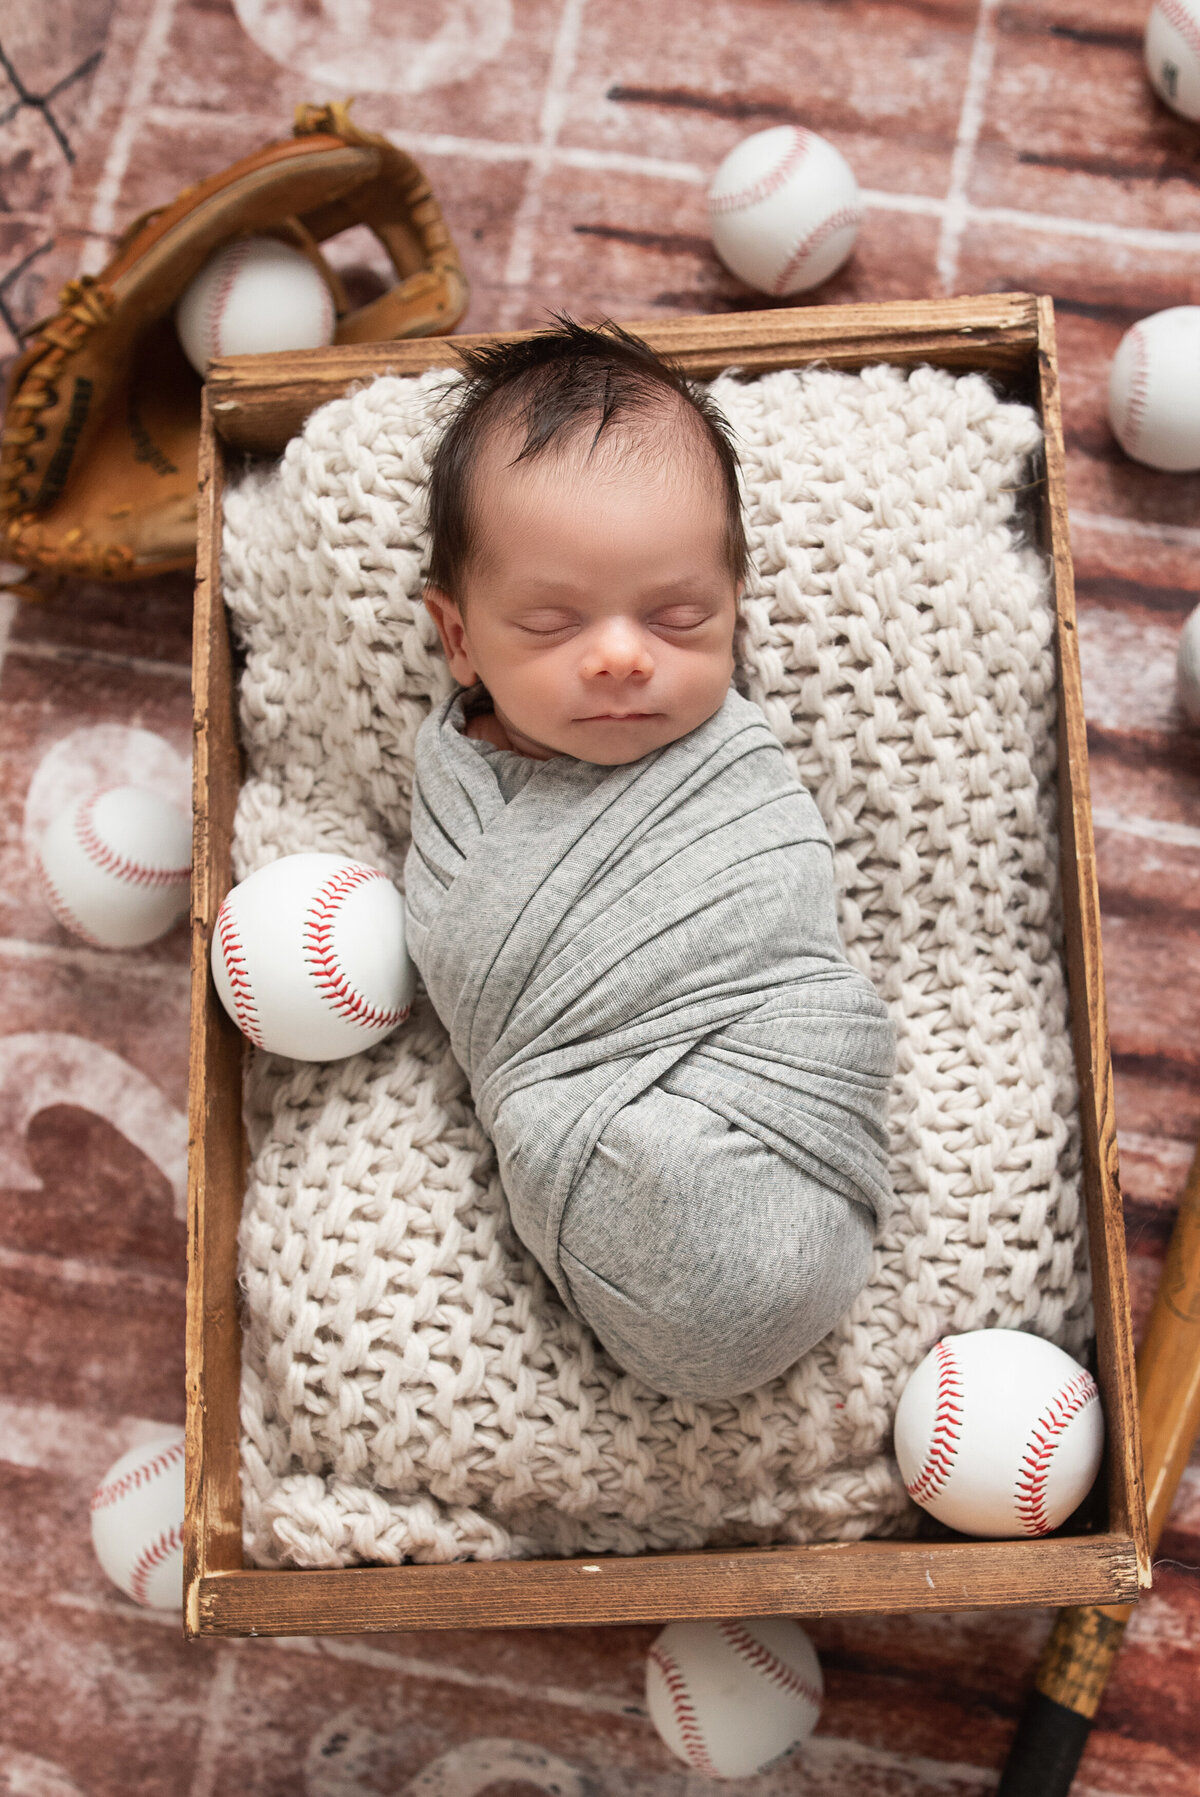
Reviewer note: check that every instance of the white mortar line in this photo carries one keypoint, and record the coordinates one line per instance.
(130, 965)
(8, 611)
(138, 93)
(360, 1654)
(832, 1753)
(1134, 237)
(68, 1443)
(1153, 829)
(82, 1272)
(116, 1608)
(479, 149)
(134, 664)
(408, 1666)
(1159, 1148)
(471, 149)
(218, 1714)
(1175, 536)
(924, 205)
(970, 118)
(519, 264)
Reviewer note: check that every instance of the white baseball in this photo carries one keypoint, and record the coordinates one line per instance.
(999, 1433)
(116, 865)
(137, 1522)
(1173, 54)
(784, 209)
(309, 957)
(254, 295)
(732, 1698)
(1154, 390)
(1187, 668)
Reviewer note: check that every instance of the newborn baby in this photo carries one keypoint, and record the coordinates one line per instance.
(620, 899)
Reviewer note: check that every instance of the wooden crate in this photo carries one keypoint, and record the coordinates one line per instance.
(255, 403)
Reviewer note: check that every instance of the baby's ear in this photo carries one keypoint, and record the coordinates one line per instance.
(446, 615)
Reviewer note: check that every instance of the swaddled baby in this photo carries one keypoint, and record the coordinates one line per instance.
(621, 901)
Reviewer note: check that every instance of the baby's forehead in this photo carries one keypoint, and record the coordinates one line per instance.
(664, 438)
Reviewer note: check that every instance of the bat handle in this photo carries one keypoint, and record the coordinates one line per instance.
(1073, 1671)
(1057, 1718)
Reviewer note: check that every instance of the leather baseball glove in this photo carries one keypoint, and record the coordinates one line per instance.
(98, 451)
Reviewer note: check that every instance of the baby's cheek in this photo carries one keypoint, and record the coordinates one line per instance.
(702, 680)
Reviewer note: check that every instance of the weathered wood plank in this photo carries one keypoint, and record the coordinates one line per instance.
(843, 1576)
(258, 402)
(1089, 1017)
(216, 1153)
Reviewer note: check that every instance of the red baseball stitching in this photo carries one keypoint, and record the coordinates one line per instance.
(1045, 1436)
(685, 1716)
(770, 1665)
(97, 850)
(238, 973)
(1139, 385)
(220, 294)
(63, 911)
(846, 215)
(947, 1417)
(140, 1475)
(318, 939)
(149, 1558)
(767, 184)
(1176, 14)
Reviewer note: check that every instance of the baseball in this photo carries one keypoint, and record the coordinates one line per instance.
(1154, 390)
(309, 957)
(1187, 668)
(999, 1433)
(732, 1698)
(253, 295)
(137, 1522)
(1173, 54)
(116, 865)
(784, 210)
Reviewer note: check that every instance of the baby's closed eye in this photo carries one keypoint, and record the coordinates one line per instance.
(681, 617)
(547, 621)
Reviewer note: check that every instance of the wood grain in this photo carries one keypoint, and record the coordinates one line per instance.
(1089, 1012)
(216, 1148)
(832, 1578)
(259, 402)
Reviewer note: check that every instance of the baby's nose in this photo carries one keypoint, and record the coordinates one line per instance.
(617, 648)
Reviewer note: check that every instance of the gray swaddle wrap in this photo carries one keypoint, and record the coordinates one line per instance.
(685, 1081)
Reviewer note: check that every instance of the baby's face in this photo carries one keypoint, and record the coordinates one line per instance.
(599, 611)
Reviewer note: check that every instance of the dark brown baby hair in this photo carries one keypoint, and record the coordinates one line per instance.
(551, 387)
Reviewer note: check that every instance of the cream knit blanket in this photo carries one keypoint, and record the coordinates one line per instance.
(412, 1387)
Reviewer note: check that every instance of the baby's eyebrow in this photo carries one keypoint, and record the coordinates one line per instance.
(688, 587)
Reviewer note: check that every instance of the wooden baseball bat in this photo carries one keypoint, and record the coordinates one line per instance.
(1074, 1669)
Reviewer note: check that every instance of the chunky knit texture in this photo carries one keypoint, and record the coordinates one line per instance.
(412, 1388)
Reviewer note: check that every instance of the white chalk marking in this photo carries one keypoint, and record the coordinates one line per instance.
(8, 611)
(1152, 829)
(218, 1713)
(1174, 536)
(91, 960)
(138, 93)
(409, 1666)
(76, 1444)
(970, 119)
(133, 664)
(519, 264)
(657, 168)
(835, 1756)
